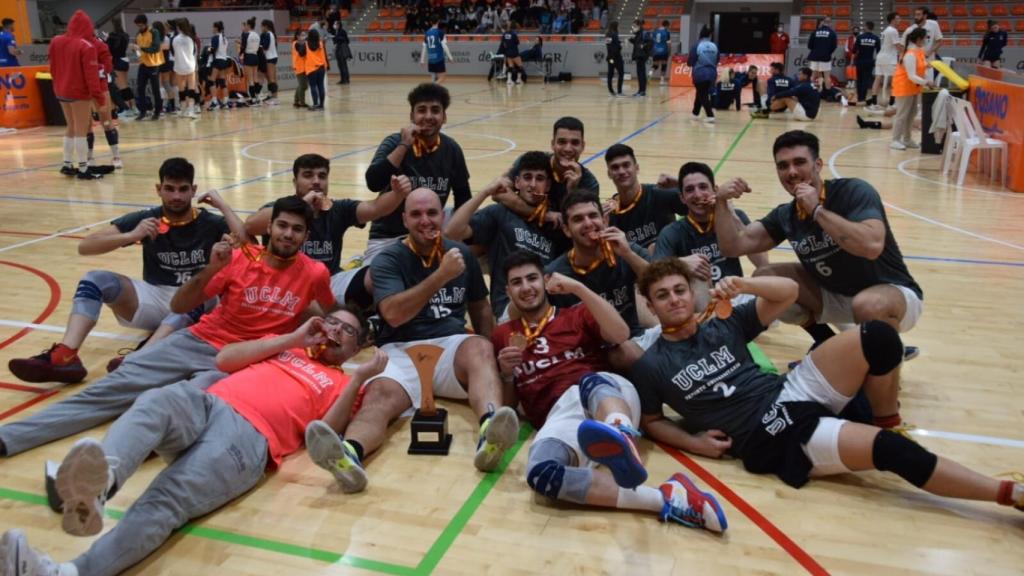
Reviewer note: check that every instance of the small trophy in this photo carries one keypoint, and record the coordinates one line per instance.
(429, 423)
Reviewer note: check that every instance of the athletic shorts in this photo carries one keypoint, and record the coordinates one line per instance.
(659, 58)
(838, 309)
(437, 68)
(251, 60)
(885, 69)
(121, 65)
(221, 63)
(401, 369)
(341, 281)
(800, 115)
(167, 66)
(568, 413)
(816, 66)
(154, 305)
(271, 60)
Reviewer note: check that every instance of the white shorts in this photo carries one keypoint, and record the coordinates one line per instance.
(838, 309)
(651, 335)
(806, 384)
(565, 416)
(885, 69)
(401, 369)
(340, 283)
(154, 305)
(816, 66)
(800, 115)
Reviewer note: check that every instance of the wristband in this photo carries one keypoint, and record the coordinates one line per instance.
(814, 213)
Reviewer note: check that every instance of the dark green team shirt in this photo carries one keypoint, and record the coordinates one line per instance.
(656, 209)
(710, 379)
(558, 191)
(174, 256)
(681, 239)
(616, 284)
(326, 232)
(397, 269)
(444, 171)
(504, 232)
(835, 269)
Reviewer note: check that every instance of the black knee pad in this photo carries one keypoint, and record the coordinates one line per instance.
(221, 83)
(272, 87)
(127, 94)
(545, 478)
(882, 347)
(112, 136)
(90, 139)
(906, 458)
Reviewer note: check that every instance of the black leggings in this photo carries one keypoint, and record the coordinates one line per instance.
(614, 67)
(865, 78)
(703, 99)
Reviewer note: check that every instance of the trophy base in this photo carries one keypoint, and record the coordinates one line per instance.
(430, 433)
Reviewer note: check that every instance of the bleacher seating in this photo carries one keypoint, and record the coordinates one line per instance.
(957, 18)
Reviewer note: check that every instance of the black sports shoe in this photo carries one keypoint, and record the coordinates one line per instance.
(101, 169)
(68, 170)
(89, 175)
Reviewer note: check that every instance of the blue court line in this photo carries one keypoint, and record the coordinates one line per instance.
(943, 259)
(629, 137)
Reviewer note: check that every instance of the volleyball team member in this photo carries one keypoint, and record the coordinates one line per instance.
(513, 61)
(435, 53)
(662, 51)
(268, 43)
(641, 211)
(168, 31)
(117, 43)
(76, 83)
(101, 112)
(316, 64)
(184, 49)
(886, 61)
(991, 52)
(248, 53)
(151, 58)
(221, 66)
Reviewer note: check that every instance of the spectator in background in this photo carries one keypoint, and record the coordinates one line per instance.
(642, 47)
(851, 41)
(703, 62)
(662, 51)
(779, 41)
(613, 56)
(865, 49)
(991, 52)
(487, 20)
(822, 43)
(9, 50)
(342, 52)
(885, 61)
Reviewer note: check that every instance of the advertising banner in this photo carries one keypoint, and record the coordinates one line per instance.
(21, 104)
(1000, 107)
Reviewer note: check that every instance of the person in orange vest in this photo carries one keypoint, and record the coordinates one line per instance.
(299, 66)
(151, 58)
(316, 68)
(907, 87)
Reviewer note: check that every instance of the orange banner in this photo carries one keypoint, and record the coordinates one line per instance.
(681, 75)
(1000, 107)
(21, 104)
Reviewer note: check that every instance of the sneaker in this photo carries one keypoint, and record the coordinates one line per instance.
(910, 352)
(518, 82)
(687, 505)
(373, 327)
(88, 175)
(17, 558)
(68, 170)
(330, 452)
(82, 481)
(709, 120)
(213, 106)
(662, 82)
(895, 145)
(759, 114)
(141, 116)
(116, 163)
(155, 117)
(40, 368)
(911, 144)
(615, 448)
(102, 169)
(497, 434)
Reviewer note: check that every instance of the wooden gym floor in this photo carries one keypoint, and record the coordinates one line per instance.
(420, 515)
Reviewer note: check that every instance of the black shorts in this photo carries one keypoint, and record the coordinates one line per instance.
(438, 68)
(660, 59)
(251, 60)
(221, 64)
(121, 65)
(167, 67)
(775, 445)
(272, 61)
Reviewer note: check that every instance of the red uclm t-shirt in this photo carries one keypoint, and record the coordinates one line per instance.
(281, 395)
(256, 300)
(569, 347)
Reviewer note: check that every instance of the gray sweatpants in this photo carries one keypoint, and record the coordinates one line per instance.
(220, 456)
(181, 356)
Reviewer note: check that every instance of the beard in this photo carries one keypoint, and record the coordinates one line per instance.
(282, 253)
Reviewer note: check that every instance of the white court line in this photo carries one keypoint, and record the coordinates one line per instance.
(975, 438)
(61, 329)
(55, 235)
(835, 172)
(902, 168)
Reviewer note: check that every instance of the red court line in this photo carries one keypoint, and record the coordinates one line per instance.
(773, 532)
(39, 398)
(18, 233)
(50, 306)
(23, 388)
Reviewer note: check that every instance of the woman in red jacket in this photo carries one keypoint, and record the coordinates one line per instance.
(76, 83)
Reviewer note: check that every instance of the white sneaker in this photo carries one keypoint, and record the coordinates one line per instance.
(844, 100)
(17, 558)
(497, 434)
(695, 117)
(518, 82)
(116, 162)
(709, 120)
(510, 82)
(82, 482)
(662, 82)
(911, 144)
(896, 145)
(330, 452)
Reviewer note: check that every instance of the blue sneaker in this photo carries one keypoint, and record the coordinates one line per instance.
(685, 504)
(497, 434)
(615, 448)
(330, 451)
(910, 352)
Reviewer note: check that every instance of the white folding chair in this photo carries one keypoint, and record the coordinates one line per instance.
(952, 143)
(973, 137)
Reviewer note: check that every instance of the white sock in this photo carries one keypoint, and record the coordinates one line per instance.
(643, 498)
(81, 152)
(1018, 492)
(618, 418)
(115, 150)
(69, 150)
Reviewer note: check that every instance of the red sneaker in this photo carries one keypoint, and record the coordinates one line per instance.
(41, 368)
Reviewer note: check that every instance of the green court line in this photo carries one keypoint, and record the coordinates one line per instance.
(425, 567)
(476, 499)
(735, 142)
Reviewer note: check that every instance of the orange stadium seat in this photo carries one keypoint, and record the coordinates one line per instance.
(675, 26)
(903, 25)
(807, 25)
(981, 26)
(1000, 11)
(959, 11)
(383, 13)
(387, 26)
(1017, 10)
(962, 27)
(903, 11)
(373, 27)
(945, 26)
(843, 26)
(825, 11)
(650, 12)
(941, 11)
(1019, 27)
(979, 11)
(843, 11)
(808, 10)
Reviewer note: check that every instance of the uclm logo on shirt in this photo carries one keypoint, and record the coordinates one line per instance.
(272, 295)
